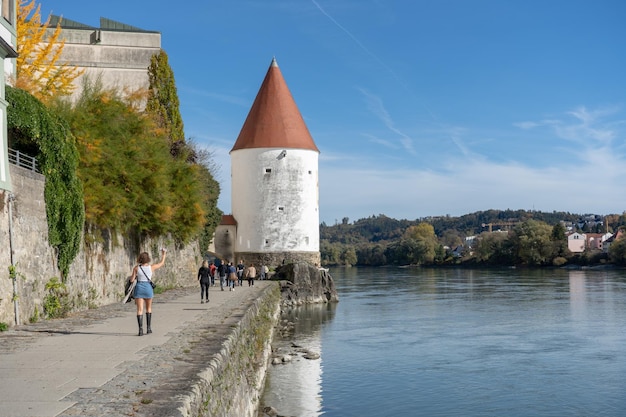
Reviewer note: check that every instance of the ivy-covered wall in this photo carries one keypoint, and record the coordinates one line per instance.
(97, 275)
(32, 127)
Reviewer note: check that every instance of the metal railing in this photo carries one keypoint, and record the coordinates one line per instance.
(23, 160)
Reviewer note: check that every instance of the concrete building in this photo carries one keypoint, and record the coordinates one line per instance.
(275, 187)
(115, 53)
(8, 40)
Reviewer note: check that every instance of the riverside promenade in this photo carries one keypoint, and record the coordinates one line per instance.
(94, 364)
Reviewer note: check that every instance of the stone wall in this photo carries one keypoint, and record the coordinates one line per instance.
(98, 273)
(274, 260)
(233, 382)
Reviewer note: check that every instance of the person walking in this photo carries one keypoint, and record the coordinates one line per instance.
(232, 276)
(222, 269)
(240, 270)
(212, 270)
(251, 274)
(204, 276)
(144, 292)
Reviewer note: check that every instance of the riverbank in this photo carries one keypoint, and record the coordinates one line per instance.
(201, 359)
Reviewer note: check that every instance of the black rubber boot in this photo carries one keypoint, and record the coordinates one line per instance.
(148, 322)
(140, 323)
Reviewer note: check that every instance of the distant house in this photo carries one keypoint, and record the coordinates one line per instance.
(458, 251)
(595, 241)
(576, 242)
(615, 236)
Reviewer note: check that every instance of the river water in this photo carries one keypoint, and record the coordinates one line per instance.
(458, 342)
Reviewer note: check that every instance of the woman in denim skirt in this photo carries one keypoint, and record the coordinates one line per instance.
(143, 293)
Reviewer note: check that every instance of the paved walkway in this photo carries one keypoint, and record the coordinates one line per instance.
(94, 364)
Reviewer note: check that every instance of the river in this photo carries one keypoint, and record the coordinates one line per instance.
(458, 342)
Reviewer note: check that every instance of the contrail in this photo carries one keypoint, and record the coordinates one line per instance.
(454, 140)
(358, 42)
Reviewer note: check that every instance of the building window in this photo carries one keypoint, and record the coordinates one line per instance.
(268, 170)
(267, 242)
(7, 9)
(310, 172)
(281, 208)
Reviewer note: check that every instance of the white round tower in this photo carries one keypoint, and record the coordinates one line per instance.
(275, 188)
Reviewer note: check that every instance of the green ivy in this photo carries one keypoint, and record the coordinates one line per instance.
(34, 129)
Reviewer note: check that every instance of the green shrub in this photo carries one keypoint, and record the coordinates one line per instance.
(56, 303)
(35, 317)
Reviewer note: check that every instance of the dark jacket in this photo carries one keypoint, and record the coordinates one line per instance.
(204, 275)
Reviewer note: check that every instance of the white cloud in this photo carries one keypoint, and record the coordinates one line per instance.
(526, 125)
(584, 178)
(471, 187)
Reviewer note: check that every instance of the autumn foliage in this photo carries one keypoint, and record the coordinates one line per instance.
(38, 69)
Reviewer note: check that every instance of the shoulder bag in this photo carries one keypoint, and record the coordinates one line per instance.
(152, 284)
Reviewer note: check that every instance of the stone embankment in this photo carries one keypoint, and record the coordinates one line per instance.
(202, 359)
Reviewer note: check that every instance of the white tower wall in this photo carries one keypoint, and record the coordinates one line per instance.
(275, 199)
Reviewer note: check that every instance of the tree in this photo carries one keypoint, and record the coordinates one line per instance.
(124, 165)
(531, 243)
(211, 192)
(371, 254)
(451, 238)
(163, 102)
(424, 245)
(330, 253)
(617, 251)
(348, 256)
(492, 248)
(559, 240)
(37, 66)
(190, 170)
(420, 231)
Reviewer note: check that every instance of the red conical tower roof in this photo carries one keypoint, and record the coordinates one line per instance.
(274, 120)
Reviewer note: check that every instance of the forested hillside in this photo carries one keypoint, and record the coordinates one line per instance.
(499, 235)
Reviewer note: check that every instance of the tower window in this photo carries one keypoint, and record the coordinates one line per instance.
(310, 172)
(268, 170)
(281, 208)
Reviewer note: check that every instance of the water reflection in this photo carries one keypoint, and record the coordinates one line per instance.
(294, 388)
(578, 294)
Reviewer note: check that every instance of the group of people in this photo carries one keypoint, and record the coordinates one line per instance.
(229, 275)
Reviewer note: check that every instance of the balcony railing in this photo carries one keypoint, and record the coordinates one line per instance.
(22, 160)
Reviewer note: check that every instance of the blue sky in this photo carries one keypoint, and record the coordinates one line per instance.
(419, 108)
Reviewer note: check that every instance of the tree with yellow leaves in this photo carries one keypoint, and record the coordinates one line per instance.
(38, 69)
